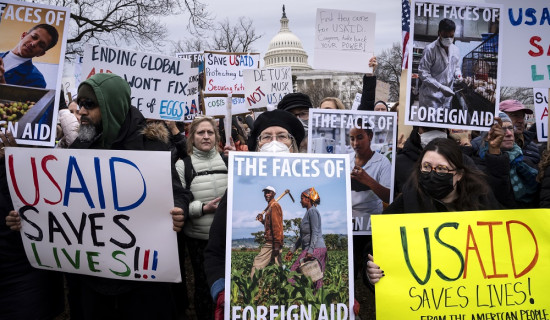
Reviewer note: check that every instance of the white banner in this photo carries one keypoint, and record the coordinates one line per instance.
(344, 40)
(215, 106)
(541, 113)
(266, 86)
(163, 87)
(224, 71)
(102, 213)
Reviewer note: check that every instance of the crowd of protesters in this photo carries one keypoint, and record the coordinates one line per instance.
(503, 168)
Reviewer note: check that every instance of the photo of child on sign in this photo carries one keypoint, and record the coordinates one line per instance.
(455, 67)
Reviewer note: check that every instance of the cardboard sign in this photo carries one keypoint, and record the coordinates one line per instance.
(163, 87)
(224, 71)
(463, 265)
(96, 212)
(332, 132)
(541, 113)
(29, 100)
(344, 40)
(266, 86)
(457, 87)
(525, 29)
(281, 290)
(216, 105)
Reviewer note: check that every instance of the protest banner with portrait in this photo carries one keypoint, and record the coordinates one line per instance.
(197, 59)
(223, 71)
(32, 52)
(454, 66)
(361, 135)
(463, 265)
(266, 86)
(101, 213)
(344, 40)
(283, 203)
(163, 87)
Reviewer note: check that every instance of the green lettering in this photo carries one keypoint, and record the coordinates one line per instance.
(36, 257)
(76, 262)
(405, 246)
(91, 262)
(534, 75)
(454, 249)
(128, 270)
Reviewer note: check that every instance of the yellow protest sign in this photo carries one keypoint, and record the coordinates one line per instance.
(463, 265)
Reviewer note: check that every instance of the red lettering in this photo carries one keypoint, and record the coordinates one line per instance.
(45, 169)
(476, 249)
(535, 258)
(491, 224)
(16, 187)
(533, 41)
(544, 113)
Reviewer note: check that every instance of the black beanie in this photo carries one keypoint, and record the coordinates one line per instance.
(274, 118)
(294, 100)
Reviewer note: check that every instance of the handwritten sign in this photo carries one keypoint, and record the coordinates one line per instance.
(216, 105)
(463, 265)
(224, 71)
(274, 291)
(266, 86)
(541, 113)
(525, 36)
(163, 87)
(30, 95)
(344, 40)
(96, 212)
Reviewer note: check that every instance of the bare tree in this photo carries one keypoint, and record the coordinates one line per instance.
(351, 86)
(389, 69)
(135, 22)
(192, 44)
(235, 38)
(317, 92)
(524, 95)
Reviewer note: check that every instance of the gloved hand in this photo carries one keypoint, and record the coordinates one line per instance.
(447, 92)
(220, 303)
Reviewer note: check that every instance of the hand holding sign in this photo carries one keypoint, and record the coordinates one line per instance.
(13, 221)
(178, 219)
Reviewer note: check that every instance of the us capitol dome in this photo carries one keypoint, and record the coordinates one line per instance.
(285, 49)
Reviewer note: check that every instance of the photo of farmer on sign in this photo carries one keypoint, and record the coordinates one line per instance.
(288, 237)
(455, 67)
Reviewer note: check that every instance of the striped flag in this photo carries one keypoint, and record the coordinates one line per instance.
(405, 28)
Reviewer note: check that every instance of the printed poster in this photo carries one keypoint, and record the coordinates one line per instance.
(463, 265)
(454, 80)
(101, 213)
(276, 289)
(369, 134)
(163, 87)
(29, 90)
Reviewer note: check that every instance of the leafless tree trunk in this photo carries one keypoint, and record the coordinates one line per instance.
(389, 69)
(235, 38)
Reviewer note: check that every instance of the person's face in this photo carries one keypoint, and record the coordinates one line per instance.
(273, 133)
(301, 113)
(73, 108)
(508, 140)
(204, 137)
(435, 159)
(268, 195)
(89, 110)
(359, 140)
(447, 34)
(518, 120)
(304, 201)
(33, 44)
(328, 105)
(380, 107)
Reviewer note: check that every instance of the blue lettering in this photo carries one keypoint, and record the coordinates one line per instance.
(530, 12)
(115, 190)
(73, 165)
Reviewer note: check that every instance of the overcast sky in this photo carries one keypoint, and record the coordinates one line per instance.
(266, 16)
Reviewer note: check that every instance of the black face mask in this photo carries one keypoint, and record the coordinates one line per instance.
(435, 185)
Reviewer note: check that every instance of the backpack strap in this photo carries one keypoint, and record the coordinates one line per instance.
(189, 173)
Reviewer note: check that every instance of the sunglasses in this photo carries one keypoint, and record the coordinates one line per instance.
(87, 104)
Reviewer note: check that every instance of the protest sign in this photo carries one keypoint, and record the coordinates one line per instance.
(224, 71)
(266, 86)
(197, 59)
(454, 81)
(96, 212)
(541, 113)
(215, 105)
(29, 99)
(463, 265)
(526, 43)
(344, 40)
(368, 134)
(163, 87)
(279, 291)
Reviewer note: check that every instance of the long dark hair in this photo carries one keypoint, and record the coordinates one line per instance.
(472, 190)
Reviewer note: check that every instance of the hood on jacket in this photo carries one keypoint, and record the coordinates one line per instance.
(113, 96)
(156, 130)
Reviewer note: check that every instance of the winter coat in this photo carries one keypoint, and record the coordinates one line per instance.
(69, 125)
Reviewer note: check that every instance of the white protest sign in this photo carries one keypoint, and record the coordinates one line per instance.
(344, 40)
(266, 86)
(224, 71)
(525, 43)
(102, 213)
(356, 101)
(541, 113)
(163, 87)
(195, 57)
(215, 105)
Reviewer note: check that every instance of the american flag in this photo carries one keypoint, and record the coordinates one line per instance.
(405, 28)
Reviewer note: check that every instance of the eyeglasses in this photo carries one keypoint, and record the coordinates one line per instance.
(439, 170)
(281, 137)
(87, 104)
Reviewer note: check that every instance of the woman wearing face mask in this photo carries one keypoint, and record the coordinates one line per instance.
(440, 182)
(274, 131)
